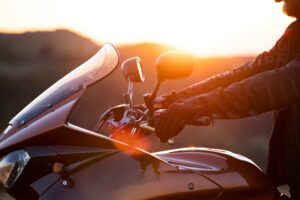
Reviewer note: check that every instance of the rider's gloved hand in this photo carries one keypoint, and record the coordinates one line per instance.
(173, 120)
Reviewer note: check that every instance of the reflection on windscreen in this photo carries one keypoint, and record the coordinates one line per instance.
(93, 70)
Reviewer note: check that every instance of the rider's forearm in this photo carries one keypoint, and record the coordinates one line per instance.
(225, 79)
(271, 90)
(263, 62)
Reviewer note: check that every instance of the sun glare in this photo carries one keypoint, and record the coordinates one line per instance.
(202, 27)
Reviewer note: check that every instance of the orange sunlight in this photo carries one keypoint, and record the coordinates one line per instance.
(202, 27)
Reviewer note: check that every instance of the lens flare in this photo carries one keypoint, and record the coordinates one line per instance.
(130, 140)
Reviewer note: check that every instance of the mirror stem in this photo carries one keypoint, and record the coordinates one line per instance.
(154, 93)
(128, 95)
(149, 99)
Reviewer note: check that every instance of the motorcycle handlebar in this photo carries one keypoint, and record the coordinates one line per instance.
(198, 121)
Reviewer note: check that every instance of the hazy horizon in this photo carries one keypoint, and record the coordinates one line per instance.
(219, 28)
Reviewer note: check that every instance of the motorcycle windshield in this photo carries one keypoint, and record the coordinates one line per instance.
(96, 68)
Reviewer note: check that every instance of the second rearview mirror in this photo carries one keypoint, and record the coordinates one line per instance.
(174, 65)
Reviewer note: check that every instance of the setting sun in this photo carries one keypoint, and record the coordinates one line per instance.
(202, 27)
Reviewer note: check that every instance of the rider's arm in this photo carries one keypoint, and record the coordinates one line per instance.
(271, 90)
(276, 57)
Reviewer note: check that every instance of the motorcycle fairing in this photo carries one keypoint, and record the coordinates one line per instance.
(52, 108)
(128, 176)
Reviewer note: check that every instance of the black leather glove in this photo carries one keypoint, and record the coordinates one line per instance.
(173, 120)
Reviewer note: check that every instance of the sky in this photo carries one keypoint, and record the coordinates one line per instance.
(206, 28)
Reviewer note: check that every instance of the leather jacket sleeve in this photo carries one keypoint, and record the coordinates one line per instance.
(271, 90)
(266, 61)
(261, 63)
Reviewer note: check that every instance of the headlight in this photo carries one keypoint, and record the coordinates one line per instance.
(11, 166)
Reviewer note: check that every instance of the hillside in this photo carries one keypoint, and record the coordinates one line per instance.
(31, 62)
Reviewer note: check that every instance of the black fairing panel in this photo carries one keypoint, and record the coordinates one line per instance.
(131, 175)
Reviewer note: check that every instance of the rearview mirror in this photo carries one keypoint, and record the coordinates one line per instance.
(174, 65)
(132, 70)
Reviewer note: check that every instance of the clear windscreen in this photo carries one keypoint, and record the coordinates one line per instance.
(96, 68)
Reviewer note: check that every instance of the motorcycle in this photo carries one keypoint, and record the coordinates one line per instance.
(46, 157)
